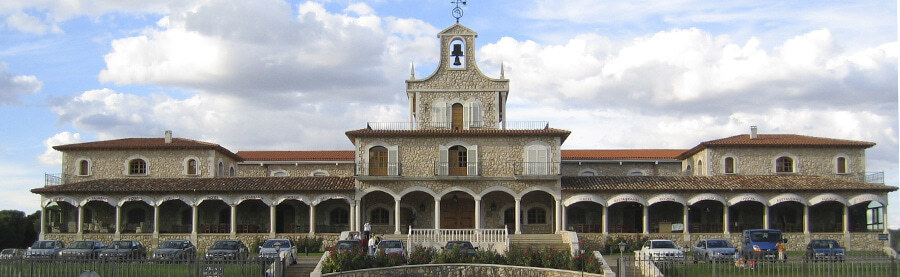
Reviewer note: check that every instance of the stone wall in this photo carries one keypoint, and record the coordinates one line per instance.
(461, 270)
(796, 241)
(623, 169)
(160, 163)
(819, 161)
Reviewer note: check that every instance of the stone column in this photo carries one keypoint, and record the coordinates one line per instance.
(765, 216)
(725, 220)
(312, 219)
(195, 222)
(352, 216)
(43, 222)
(156, 221)
(233, 220)
(518, 216)
(437, 213)
(884, 220)
(805, 219)
(358, 217)
(846, 226)
(477, 213)
(118, 221)
(397, 216)
(646, 220)
(556, 218)
(80, 219)
(272, 219)
(605, 218)
(562, 220)
(684, 220)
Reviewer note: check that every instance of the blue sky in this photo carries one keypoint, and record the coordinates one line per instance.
(275, 75)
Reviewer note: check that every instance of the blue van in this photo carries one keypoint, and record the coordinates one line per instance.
(760, 244)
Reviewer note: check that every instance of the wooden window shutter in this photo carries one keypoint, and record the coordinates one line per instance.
(443, 161)
(393, 165)
(467, 115)
(440, 115)
(472, 160)
(477, 117)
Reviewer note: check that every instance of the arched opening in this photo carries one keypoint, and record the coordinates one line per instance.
(84, 168)
(377, 208)
(745, 215)
(786, 216)
(214, 216)
(192, 167)
(292, 216)
(494, 208)
(457, 211)
(417, 210)
(826, 217)
(626, 217)
(706, 217)
(138, 217)
(538, 213)
(332, 216)
(841, 165)
(584, 217)
(61, 217)
(456, 112)
(867, 216)
(729, 165)
(458, 160)
(99, 217)
(666, 217)
(378, 161)
(180, 220)
(253, 216)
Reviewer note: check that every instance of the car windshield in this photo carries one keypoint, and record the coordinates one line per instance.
(718, 244)
(43, 244)
(824, 244)
(120, 244)
(347, 244)
(765, 236)
(390, 244)
(662, 244)
(172, 244)
(232, 245)
(460, 244)
(271, 243)
(82, 245)
(8, 251)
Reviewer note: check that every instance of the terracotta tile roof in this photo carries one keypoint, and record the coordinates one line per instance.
(715, 183)
(146, 143)
(461, 133)
(336, 155)
(228, 184)
(776, 140)
(621, 154)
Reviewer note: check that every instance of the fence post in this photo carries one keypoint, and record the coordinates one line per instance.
(803, 268)
(893, 267)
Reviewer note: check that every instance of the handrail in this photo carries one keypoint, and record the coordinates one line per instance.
(440, 236)
(466, 125)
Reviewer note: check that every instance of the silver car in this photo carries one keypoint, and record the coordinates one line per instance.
(273, 248)
(713, 250)
(392, 246)
(45, 249)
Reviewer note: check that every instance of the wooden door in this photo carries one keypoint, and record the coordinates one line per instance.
(378, 160)
(458, 161)
(456, 117)
(459, 214)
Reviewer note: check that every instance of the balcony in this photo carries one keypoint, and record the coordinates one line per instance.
(464, 169)
(473, 125)
(55, 179)
(536, 169)
(374, 170)
(874, 177)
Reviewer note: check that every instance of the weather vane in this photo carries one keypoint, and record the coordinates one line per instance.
(458, 12)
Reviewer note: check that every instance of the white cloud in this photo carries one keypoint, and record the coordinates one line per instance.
(51, 157)
(30, 24)
(13, 86)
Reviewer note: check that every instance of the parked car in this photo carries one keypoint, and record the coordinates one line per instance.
(465, 246)
(661, 250)
(124, 250)
(713, 250)
(11, 253)
(760, 244)
(83, 249)
(824, 250)
(227, 250)
(391, 246)
(348, 245)
(273, 248)
(175, 250)
(44, 249)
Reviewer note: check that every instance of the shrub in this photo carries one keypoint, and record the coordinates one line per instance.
(556, 259)
(385, 260)
(312, 243)
(591, 263)
(255, 244)
(633, 243)
(348, 260)
(489, 256)
(421, 255)
(453, 255)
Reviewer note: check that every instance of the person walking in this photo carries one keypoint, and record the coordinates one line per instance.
(367, 229)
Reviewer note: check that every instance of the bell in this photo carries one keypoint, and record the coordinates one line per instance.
(456, 61)
(457, 51)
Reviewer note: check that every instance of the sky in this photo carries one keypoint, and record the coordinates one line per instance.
(276, 75)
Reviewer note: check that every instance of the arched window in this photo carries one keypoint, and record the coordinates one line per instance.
(137, 167)
(456, 117)
(379, 216)
(457, 58)
(231, 171)
(587, 172)
(636, 172)
(339, 216)
(378, 161)
(537, 216)
(841, 165)
(537, 160)
(458, 160)
(700, 168)
(280, 173)
(784, 164)
(84, 168)
(192, 167)
(220, 170)
(319, 173)
(729, 165)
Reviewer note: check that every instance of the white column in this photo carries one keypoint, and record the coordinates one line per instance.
(156, 220)
(562, 219)
(195, 221)
(604, 217)
(646, 220)
(518, 215)
(80, 213)
(684, 220)
(272, 219)
(233, 220)
(352, 216)
(477, 213)
(437, 213)
(556, 218)
(884, 219)
(846, 226)
(397, 216)
(118, 219)
(359, 216)
(725, 221)
(765, 216)
(43, 222)
(805, 219)
(312, 219)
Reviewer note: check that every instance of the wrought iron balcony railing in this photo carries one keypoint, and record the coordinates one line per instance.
(55, 179)
(874, 177)
(375, 169)
(472, 125)
(536, 168)
(457, 169)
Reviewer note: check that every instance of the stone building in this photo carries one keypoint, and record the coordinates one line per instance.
(459, 163)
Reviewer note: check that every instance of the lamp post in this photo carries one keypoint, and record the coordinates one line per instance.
(622, 248)
(582, 261)
(621, 257)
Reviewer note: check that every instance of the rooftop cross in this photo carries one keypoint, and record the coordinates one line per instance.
(457, 11)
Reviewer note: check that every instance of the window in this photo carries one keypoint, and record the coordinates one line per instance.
(137, 167)
(537, 216)
(875, 220)
(319, 173)
(378, 161)
(280, 173)
(339, 216)
(537, 160)
(784, 164)
(636, 172)
(458, 160)
(841, 165)
(192, 167)
(84, 168)
(379, 216)
(587, 172)
(456, 117)
(231, 171)
(700, 168)
(729, 165)
(221, 169)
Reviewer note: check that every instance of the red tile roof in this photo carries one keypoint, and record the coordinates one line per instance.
(227, 184)
(621, 154)
(715, 183)
(776, 140)
(460, 133)
(146, 143)
(334, 155)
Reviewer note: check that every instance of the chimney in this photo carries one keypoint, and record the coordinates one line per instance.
(753, 132)
(168, 136)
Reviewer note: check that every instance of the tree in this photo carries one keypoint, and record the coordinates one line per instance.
(19, 231)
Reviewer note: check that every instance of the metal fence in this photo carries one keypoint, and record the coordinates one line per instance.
(799, 266)
(141, 267)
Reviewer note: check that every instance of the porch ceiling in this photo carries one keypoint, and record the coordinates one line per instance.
(229, 184)
(716, 183)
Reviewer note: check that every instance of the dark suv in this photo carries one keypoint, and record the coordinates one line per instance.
(175, 250)
(229, 249)
(83, 249)
(124, 249)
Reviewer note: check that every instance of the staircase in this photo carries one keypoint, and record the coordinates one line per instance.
(539, 241)
(304, 266)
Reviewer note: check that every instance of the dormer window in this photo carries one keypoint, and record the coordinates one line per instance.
(457, 54)
(729, 165)
(192, 167)
(841, 163)
(84, 168)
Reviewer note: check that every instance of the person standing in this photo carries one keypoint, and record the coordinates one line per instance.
(781, 249)
(372, 247)
(367, 228)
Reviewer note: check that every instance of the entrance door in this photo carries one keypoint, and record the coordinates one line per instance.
(458, 214)
(458, 162)
(456, 117)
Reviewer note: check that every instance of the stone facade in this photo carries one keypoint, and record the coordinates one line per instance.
(461, 270)
(339, 169)
(624, 168)
(818, 161)
(160, 163)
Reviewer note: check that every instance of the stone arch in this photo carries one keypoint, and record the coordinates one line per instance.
(326, 197)
(584, 197)
(865, 197)
(747, 197)
(666, 197)
(361, 193)
(498, 188)
(786, 197)
(472, 193)
(243, 198)
(528, 190)
(419, 189)
(707, 196)
(825, 197)
(61, 198)
(626, 197)
(200, 199)
(101, 198)
(142, 198)
(301, 198)
(588, 172)
(185, 199)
